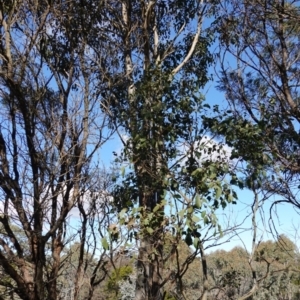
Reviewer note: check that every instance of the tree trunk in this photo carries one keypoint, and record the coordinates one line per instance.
(205, 274)
(148, 279)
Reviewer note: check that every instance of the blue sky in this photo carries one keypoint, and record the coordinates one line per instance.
(285, 216)
(286, 219)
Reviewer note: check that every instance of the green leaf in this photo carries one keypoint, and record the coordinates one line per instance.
(122, 213)
(206, 220)
(150, 230)
(156, 208)
(105, 244)
(218, 192)
(195, 172)
(229, 198)
(195, 219)
(196, 242)
(181, 213)
(163, 202)
(123, 171)
(190, 210)
(198, 201)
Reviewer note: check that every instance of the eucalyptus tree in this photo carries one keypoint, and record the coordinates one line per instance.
(155, 63)
(51, 127)
(275, 265)
(259, 73)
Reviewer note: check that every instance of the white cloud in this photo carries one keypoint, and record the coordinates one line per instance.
(213, 150)
(206, 149)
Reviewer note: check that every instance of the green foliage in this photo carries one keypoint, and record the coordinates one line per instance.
(262, 125)
(169, 296)
(282, 251)
(230, 270)
(172, 174)
(116, 276)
